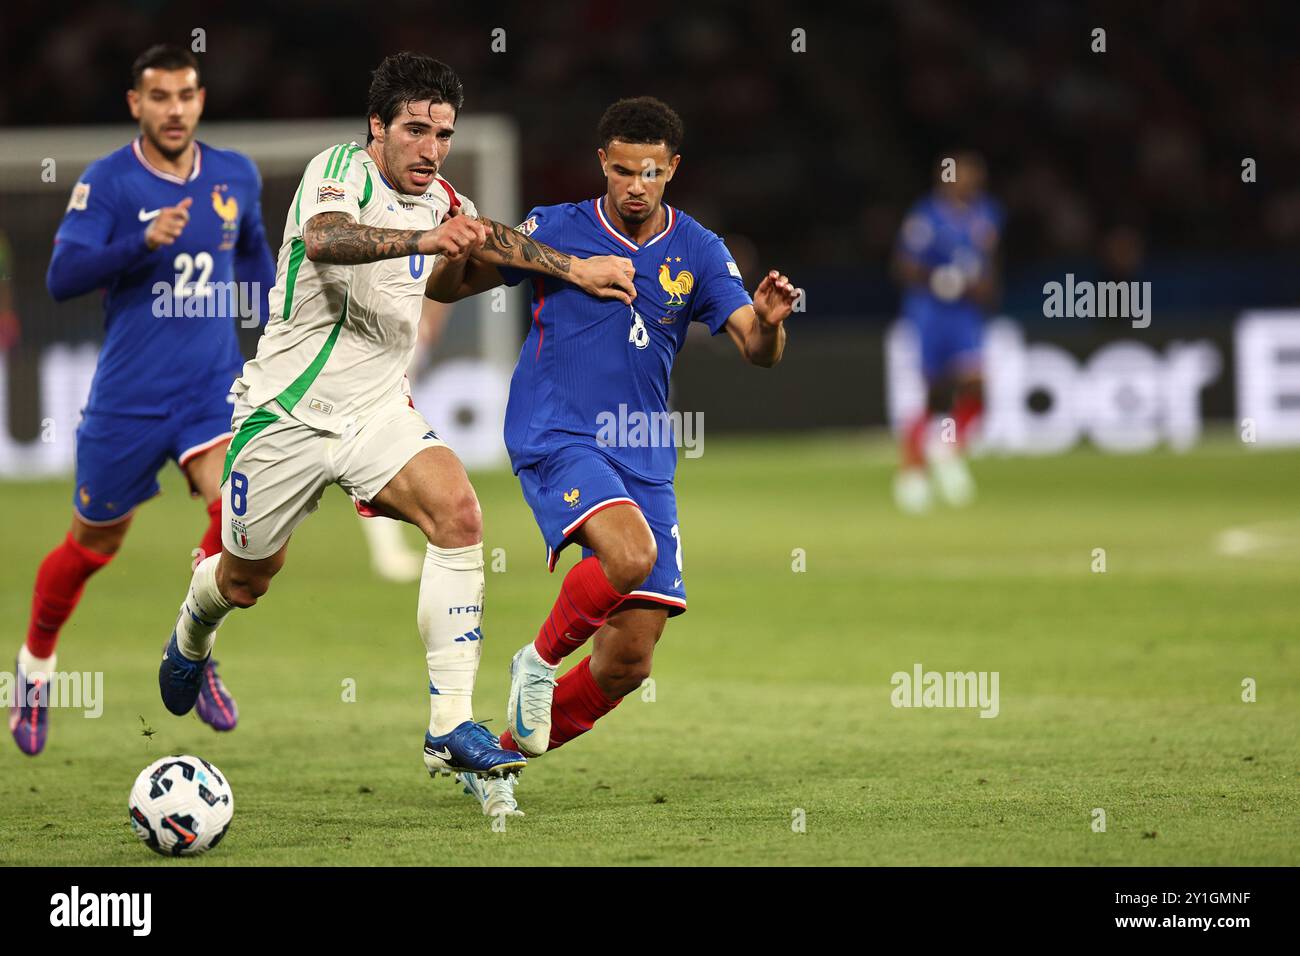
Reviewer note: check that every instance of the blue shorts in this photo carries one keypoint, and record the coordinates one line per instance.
(949, 345)
(574, 482)
(119, 456)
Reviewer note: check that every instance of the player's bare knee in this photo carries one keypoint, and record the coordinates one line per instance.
(458, 522)
(628, 565)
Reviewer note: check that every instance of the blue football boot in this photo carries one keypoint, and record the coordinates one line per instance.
(184, 682)
(470, 748)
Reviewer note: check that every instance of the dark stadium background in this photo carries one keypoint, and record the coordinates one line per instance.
(1117, 165)
(1139, 610)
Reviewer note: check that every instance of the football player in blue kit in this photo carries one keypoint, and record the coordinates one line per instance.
(584, 362)
(165, 225)
(946, 263)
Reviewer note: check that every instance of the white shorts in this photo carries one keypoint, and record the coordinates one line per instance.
(277, 468)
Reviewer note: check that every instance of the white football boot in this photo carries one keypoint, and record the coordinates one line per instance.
(528, 713)
(912, 491)
(951, 476)
(495, 794)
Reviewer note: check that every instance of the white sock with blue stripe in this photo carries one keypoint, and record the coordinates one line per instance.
(202, 612)
(450, 618)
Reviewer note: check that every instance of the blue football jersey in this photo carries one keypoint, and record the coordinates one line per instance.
(169, 316)
(939, 233)
(589, 366)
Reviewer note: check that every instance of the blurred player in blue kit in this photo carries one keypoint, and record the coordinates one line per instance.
(165, 225)
(946, 261)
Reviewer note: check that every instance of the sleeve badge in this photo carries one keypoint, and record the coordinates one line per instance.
(80, 197)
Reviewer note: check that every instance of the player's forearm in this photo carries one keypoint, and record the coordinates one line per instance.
(765, 343)
(336, 238)
(76, 269)
(446, 280)
(507, 247)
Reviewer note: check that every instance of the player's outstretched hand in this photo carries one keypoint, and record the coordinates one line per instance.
(168, 224)
(456, 238)
(606, 277)
(774, 298)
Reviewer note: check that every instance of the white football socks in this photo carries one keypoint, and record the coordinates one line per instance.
(36, 667)
(450, 617)
(202, 612)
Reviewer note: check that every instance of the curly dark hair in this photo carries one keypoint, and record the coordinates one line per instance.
(163, 56)
(641, 119)
(409, 78)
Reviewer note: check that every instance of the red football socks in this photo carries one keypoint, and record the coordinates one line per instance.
(914, 441)
(586, 599)
(578, 704)
(211, 543)
(965, 411)
(59, 582)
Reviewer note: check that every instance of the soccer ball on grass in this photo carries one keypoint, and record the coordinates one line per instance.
(181, 806)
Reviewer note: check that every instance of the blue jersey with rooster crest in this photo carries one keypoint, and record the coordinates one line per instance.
(592, 369)
(169, 313)
(161, 388)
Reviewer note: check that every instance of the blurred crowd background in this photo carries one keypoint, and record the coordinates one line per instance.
(1121, 164)
(1129, 158)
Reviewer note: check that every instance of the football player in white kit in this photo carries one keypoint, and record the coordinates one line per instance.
(323, 401)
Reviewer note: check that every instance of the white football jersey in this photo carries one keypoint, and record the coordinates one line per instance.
(339, 338)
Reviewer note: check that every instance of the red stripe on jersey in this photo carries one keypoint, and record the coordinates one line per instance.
(451, 193)
(600, 214)
(672, 218)
(537, 315)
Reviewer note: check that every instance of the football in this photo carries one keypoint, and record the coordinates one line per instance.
(181, 806)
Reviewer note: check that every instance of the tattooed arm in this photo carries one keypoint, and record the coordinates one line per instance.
(457, 277)
(336, 238)
(504, 246)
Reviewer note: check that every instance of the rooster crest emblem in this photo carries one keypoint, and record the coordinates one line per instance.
(227, 207)
(678, 288)
(571, 497)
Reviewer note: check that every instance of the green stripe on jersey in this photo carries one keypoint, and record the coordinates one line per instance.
(332, 162)
(253, 424)
(343, 174)
(292, 395)
(297, 250)
(365, 195)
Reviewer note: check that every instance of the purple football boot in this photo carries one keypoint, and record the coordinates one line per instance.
(216, 707)
(29, 717)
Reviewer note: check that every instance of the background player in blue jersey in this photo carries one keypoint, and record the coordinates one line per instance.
(586, 366)
(164, 225)
(946, 262)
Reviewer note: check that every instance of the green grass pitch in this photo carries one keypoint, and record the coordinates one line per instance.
(1119, 690)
